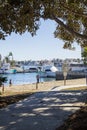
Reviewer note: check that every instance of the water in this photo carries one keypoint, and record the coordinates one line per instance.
(24, 78)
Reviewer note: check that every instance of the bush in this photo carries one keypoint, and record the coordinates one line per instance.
(2, 80)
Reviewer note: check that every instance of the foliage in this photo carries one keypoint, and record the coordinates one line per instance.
(11, 60)
(0, 57)
(24, 15)
(12, 63)
(84, 55)
(10, 54)
(7, 59)
(2, 79)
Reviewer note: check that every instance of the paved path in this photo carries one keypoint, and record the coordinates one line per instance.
(58, 88)
(41, 111)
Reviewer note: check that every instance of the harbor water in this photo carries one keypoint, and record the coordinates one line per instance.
(24, 78)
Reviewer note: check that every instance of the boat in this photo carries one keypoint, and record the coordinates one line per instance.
(10, 71)
(48, 71)
(33, 69)
(18, 69)
(42, 74)
(77, 67)
(6, 69)
(1, 71)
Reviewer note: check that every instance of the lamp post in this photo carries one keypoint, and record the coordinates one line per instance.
(65, 75)
(65, 69)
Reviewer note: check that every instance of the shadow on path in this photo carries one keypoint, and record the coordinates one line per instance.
(42, 110)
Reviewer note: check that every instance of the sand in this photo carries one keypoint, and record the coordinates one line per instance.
(43, 86)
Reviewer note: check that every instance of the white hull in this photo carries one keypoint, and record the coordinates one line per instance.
(10, 71)
(42, 74)
(51, 74)
(48, 71)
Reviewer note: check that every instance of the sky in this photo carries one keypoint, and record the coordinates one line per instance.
(40, 47)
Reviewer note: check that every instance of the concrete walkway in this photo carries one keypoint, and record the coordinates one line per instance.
(58, 88)
(42, 110)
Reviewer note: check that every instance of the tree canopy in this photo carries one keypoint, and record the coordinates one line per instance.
(20, 16)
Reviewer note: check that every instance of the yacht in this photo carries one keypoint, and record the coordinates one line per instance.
(48, 71)
(6, 69)
(33, 69)
(28, 68)
(10, 71)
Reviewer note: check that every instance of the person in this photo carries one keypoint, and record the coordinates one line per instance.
(37, 77)
(2, 88)
(10, 82)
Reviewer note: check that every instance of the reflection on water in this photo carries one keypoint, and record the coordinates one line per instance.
(48, 79)
(24, 78)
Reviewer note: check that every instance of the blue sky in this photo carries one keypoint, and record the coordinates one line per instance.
(42, 46)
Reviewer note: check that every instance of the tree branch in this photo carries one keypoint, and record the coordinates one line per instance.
(73, 11)
(70, 30)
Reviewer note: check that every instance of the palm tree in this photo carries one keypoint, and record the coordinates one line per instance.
(7, 59)
(11, 55)
(0, 59)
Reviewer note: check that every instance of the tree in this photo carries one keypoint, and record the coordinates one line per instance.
(10, 54)
(6, 59)
(84, 55)
(24, 15)
(0, 59)
(2, 81)
(11, 61)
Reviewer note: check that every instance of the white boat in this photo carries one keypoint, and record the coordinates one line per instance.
(42, 74)
(48, 71)
(33, 69)
(78, 67)
(1, 71)
(10, 71)
(5, 69)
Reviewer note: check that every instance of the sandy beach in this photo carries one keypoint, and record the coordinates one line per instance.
(43, 86)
